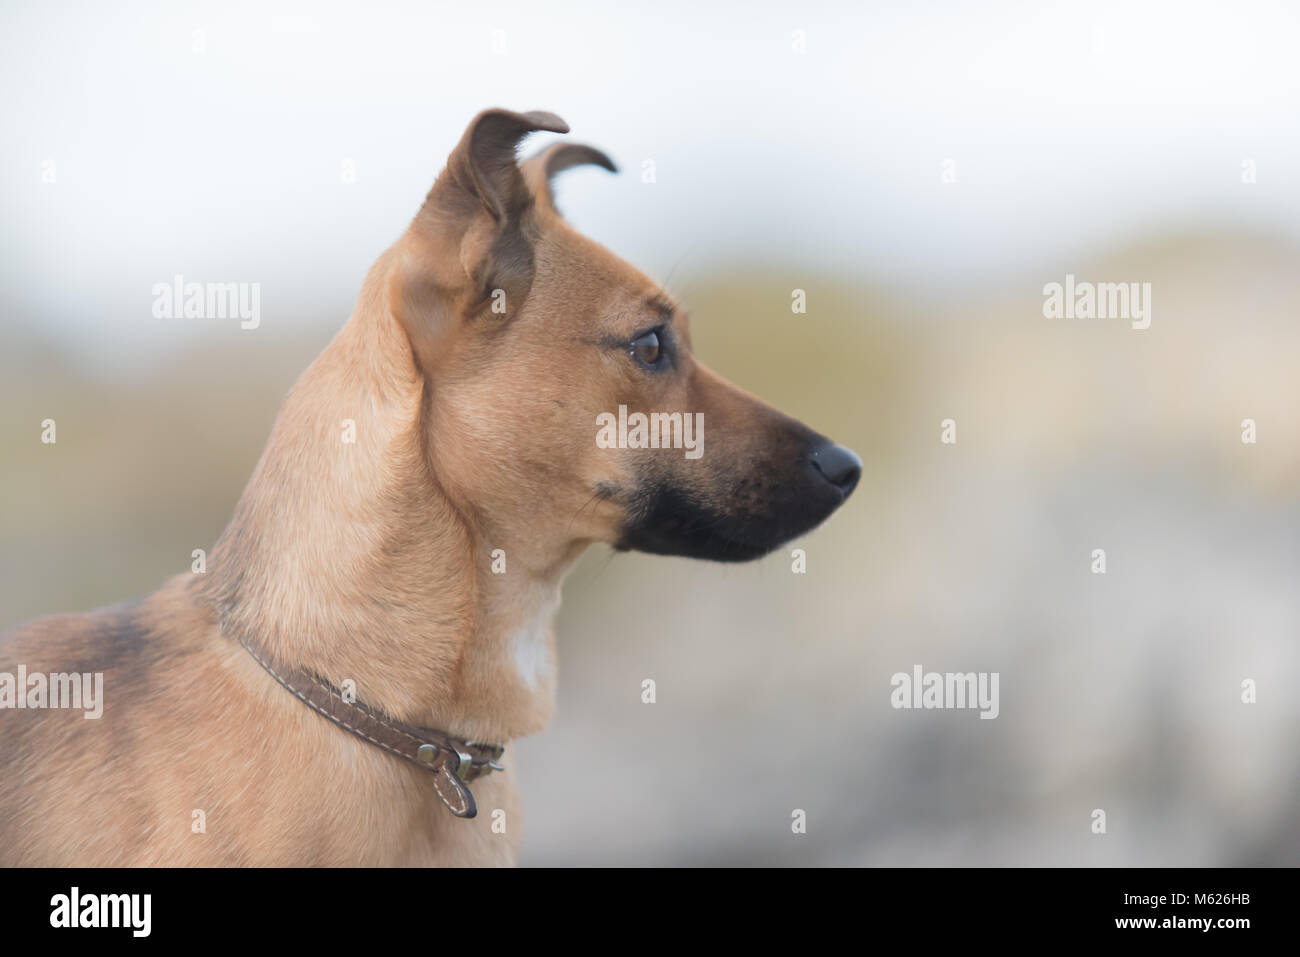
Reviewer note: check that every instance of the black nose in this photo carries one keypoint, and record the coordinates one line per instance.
(839, 466)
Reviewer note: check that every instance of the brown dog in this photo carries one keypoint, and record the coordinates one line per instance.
(429, 481)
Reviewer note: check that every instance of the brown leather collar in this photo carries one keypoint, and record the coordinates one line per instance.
(452, 761)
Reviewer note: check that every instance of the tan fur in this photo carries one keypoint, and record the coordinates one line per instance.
(369, 561)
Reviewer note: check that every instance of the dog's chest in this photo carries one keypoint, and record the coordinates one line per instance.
(530, 646)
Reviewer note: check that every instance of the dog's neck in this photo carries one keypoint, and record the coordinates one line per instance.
(346, 558)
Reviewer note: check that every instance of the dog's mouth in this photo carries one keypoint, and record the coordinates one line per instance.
(762, 511)
(673, 523)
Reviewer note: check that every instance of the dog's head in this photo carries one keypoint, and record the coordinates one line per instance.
(562, 396)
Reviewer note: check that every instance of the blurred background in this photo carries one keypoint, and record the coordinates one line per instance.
(921, 171)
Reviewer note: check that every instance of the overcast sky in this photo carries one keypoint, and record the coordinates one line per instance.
(208, 139)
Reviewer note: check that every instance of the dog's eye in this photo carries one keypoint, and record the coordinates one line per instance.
(645, 348)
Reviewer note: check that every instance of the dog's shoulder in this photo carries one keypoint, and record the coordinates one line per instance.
(70, 640)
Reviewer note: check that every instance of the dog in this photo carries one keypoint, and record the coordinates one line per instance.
(374, 626)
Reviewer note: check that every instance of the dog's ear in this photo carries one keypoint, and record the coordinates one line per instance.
(470, 247)
(540, 169)
(484, 162)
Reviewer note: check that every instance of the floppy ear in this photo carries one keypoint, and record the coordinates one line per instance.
(540, 169)
(471, 244)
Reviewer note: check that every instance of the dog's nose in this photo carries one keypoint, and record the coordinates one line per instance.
(838, 465)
